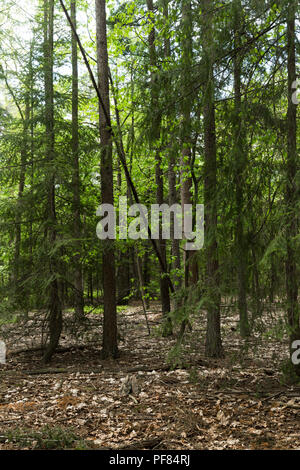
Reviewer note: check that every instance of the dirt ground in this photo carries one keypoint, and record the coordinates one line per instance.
(138, 401)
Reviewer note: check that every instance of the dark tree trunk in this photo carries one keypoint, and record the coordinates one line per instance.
(110, 345)
(173, 196)
(213, 346)
(91, 287)
(190, 263)
(24, 152)
(155, 137)
(292, 191)
(78, 287)
(173, 199)
(55, 309)
(240, 156)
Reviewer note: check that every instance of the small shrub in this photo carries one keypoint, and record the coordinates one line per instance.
(289, 376)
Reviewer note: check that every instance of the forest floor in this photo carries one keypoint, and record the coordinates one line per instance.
(80, 401)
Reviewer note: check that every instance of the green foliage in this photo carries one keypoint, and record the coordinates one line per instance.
(48, 438)
(99, 310)
(179, 78)
(175, 357)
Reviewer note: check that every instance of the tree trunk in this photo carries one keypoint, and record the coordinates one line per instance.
(292, 191)
(155, 129)
(190, 265)
(213, 346)
(173, 197)
(240, 157)
(110, 345)
(55, 310)
(24, 151)
(78, 287)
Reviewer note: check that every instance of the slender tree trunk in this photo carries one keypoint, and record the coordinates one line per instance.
(292, 189)
(240, 156)
(78, 296)
(213, 346)
(91, 287)
(110, 345)
(123, 271)
(32, 147)
(273, 276)
(146, 275)
(24, 152)
(55, 310)
(173, 199)
(155, 137)
(257, 291)
(186, 128)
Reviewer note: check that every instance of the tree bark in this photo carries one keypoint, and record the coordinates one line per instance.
(240, 157)
(213, 346)
(292, 189)
(24, 152)
(110, 345)
(186, 183)
(155, 129)
(55, 310)
(78, 283)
